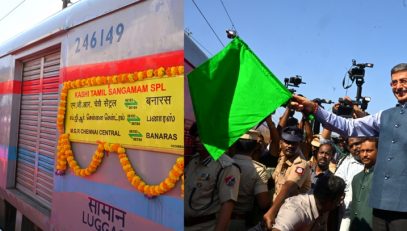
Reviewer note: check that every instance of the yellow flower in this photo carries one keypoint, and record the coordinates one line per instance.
(180, 70)
(164, 186)
(131, 174)
(98, 80)
(169, 183)
(121, 150)
(150, 73)
(104, 79)
(72, 84)
(93, 81)
(67, 85)
(152, 191)
(180, 162)
(77, 83)
(124, 160)
(114, 79)
(161, 72)
(157, 190)
(130, 76)
(146, 188)
(106, 146)
(173, 175)
(140, 75)
(174, 71)
(62, 103)
(99, 155)
(140, 186)
(177, 169)
(96, 160)
(175, 172)
(135, 180)
(93, 165)
(127, 168)
(172, 179)
(113, 147)
(122, 155)
(123, 78)
(168, 71)
(101, 148)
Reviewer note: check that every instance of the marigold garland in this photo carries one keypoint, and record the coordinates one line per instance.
(65, 156)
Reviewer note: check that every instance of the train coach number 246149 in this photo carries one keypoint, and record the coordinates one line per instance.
(100, 38)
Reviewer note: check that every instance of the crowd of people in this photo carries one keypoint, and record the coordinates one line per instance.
(298, 180)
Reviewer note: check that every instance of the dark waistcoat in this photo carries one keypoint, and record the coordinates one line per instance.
(389, 186)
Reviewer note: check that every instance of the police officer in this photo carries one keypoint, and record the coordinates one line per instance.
(292, 174)
(211, 189)
(310, 211)
(253, 181)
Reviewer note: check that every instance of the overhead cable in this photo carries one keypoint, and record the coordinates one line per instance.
(11, 11)
(208, 23)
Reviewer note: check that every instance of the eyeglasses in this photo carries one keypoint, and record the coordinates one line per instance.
(402, 82)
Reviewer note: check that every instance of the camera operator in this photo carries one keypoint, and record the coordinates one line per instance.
(387, 197)
(288, 119)
(355, 112)
(348, 108)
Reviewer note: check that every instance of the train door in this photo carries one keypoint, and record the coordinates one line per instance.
(37, 134)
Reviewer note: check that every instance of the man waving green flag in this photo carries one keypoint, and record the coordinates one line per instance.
(231, 93)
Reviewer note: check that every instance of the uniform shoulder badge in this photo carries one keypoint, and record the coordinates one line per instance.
(230, 181)
(300, 170)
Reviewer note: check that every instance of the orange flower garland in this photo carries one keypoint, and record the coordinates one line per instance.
(66, 157)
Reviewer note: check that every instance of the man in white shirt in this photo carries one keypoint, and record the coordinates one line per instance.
(348, 168)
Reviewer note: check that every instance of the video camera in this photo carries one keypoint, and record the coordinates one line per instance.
(357, 71)
(293, 81)
(345, 108)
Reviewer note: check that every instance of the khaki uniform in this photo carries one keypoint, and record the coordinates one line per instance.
(297, 171)
(300, 213)
(200, 182)
(253, 180)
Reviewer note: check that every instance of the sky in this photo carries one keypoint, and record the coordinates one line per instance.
(17, 16)
(314, 39)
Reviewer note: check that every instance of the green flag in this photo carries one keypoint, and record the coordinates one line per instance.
(231, 93)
